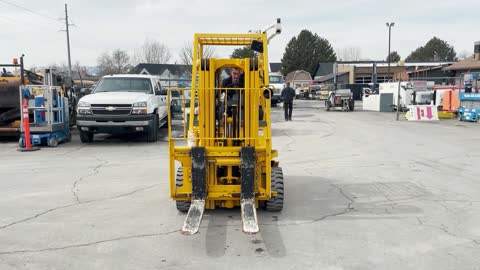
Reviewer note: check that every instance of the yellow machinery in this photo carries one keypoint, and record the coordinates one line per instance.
(225, 157)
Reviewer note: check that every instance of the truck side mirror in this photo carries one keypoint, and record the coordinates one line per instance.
(85, 91)
(161, 92)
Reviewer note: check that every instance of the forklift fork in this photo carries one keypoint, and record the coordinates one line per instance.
(247, 197)
(199, 192)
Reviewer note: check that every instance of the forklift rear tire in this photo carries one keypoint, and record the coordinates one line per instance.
(86, 137)
(182, 206)
(275, 204)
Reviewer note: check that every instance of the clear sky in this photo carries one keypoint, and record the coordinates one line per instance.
(105, 25)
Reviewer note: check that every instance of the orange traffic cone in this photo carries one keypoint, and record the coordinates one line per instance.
(26, 129)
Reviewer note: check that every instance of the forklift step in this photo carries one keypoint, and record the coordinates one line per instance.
(194, 217)
(249, 216)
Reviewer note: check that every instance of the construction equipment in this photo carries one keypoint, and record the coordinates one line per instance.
(340, 98)
(469, 108)
(10, 96)
(49, 107)
(225, 157)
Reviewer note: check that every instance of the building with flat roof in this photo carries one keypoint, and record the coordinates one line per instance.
(360, 72)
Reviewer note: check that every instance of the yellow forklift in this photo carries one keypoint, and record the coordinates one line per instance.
(225, 158)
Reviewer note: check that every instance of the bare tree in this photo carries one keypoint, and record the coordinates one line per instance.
(152, 52)
(61, 68)
(186, 54)
(79, 70)
(349, 54)
(115, 63)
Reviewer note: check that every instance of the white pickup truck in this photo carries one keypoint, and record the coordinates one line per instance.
(277, 81)
(123, 103)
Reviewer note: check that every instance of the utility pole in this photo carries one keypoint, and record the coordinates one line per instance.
(398, 98)
(68, 43)
(389, 25)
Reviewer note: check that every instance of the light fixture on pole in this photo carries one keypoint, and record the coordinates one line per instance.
(389, 25)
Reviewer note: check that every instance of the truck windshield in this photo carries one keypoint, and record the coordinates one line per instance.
(124, 85)
(275, 79)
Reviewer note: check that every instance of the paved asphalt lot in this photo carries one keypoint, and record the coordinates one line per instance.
(362, 192)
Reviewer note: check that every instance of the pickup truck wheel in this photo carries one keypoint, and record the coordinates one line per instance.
(152, 135)
(86, 137)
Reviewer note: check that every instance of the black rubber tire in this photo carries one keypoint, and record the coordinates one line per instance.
(182, 206)
(86, 137)
(152, 133)
(352, 105)
(69, 137)
(53, 142)
(275, 204)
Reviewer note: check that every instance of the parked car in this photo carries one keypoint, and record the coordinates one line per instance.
(123, 103)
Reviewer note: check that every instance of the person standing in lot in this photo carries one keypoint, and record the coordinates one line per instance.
(288, 94)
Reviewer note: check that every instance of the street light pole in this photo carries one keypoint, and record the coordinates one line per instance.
(389, 25)
(68, 43)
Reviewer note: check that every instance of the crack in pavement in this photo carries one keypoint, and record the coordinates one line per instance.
(156, 234)
(86, 244)
(75, 204)
(348, 209)
(287, 146)
(445, 230)
(75, 189)
(75, 150)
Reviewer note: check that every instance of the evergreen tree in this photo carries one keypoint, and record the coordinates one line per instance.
(435, 50)
(305, 52)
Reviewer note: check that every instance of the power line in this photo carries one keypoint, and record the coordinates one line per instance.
(32, 11)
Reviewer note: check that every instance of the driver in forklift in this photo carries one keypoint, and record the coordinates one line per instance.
(235, 81)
